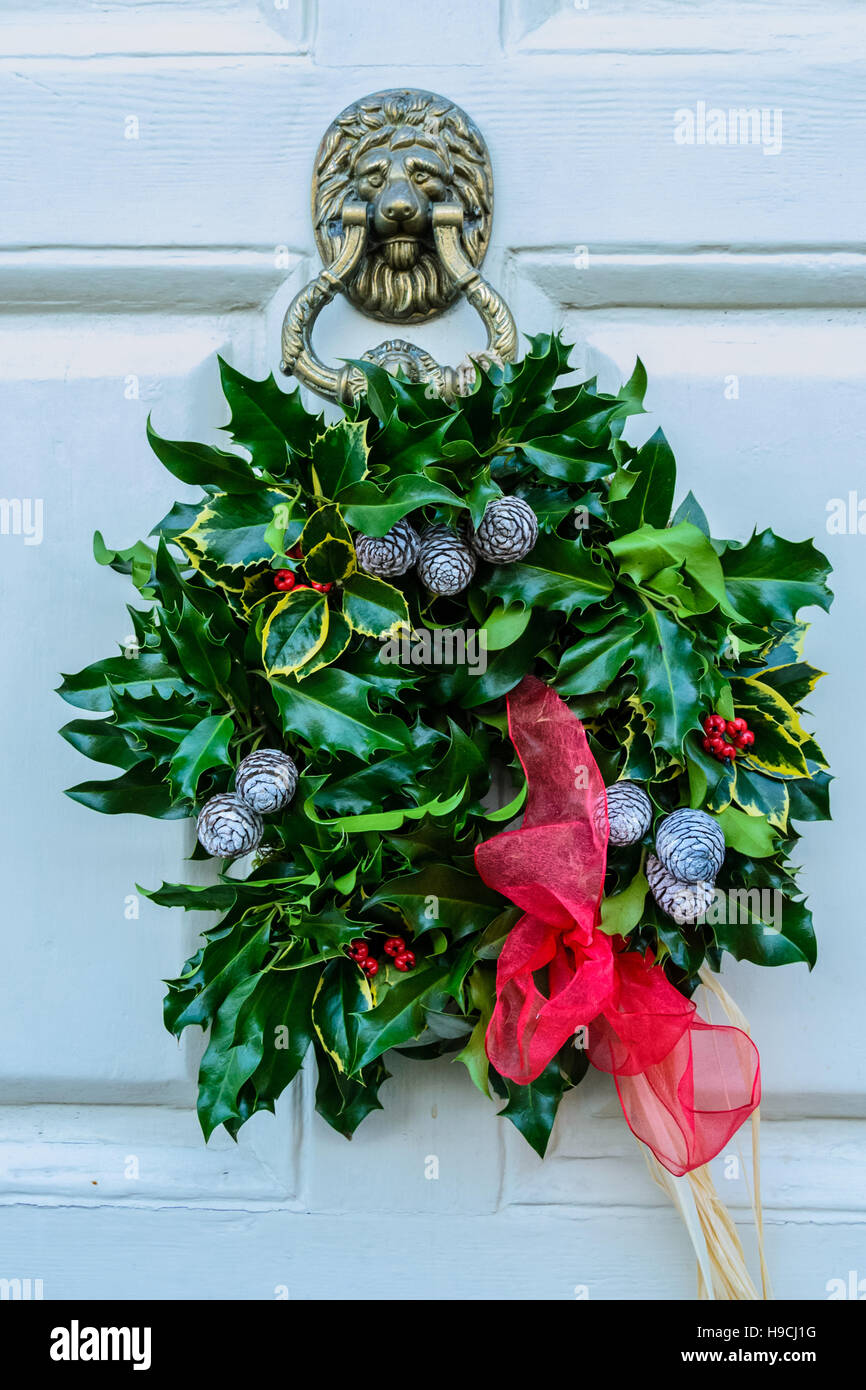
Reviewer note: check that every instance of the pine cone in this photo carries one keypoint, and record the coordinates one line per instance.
(684, 902)
(446, 564)
(629, 813)
(388, 555)
(266, 780)
(507, 531)
(691, 845)
(227, 826)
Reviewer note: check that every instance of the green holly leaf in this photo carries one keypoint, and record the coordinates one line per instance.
(227, 1064)
(344, 1101)
(400, 1015)
(268, 421)
(482, 490)
(648, 501)
(137, 560)
(143, 674)
(770, 579)
(203, 466)
(504, 625)
(194, 897)
(622, 912)
(765, 928)
(295, 631)
(367, 789)
(331, 711)
(204, 747)
(136, 792)
(595, 660)
(552, 505)
(373, 510)
(691, 510)
(668, 672)
(564, 457)
(650, 556)
(749, 834)
(809, 798)
(232, 956)
(283, 1002)
(374, 608)
(200, 655)
(340, 457)
(102, 741)
(439, 896)
(532, 1109)
(559, 575)
(482, 991)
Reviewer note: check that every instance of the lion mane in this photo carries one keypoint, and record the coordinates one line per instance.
(422, 289)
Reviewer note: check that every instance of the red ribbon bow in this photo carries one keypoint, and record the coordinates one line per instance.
(685, 1086)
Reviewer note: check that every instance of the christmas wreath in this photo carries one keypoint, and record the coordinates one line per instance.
(392, 663)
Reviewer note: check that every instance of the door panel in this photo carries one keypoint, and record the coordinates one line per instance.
(156, 159)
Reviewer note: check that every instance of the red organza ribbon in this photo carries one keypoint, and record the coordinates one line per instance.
(685, 1085)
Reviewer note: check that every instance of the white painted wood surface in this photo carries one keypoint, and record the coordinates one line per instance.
(125, 264)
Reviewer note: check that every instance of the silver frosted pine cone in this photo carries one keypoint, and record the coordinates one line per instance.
(629, 813)
(228, 827)
(507, 531)
(266, 780)
(388, 555)
(446, 563)
(691, 845)
(684, 902)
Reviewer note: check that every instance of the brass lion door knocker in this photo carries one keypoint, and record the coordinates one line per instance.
(402, 207)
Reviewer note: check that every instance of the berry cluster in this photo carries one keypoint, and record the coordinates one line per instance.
(284, 580)
(725, 738)
(395, 947)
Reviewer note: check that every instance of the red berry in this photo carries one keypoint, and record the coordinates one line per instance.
(728, 751)
(717, 743)
(359, 948)
(321, 588)
(716, 722)
(708, 745)
(745, 739)
(284, 577)
(370, 966)
(296, 553)
(394, 945)
(404, 960)
(740, 725)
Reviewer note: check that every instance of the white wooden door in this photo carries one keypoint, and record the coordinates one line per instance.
(156, 160)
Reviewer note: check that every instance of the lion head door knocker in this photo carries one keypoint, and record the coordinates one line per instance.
(402, 207)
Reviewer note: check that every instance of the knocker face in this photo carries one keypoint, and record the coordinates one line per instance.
(401, 183)
(400, 153)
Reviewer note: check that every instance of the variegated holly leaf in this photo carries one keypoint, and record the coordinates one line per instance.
(373, 607)
(295, 631)
(229, 533)
(326, 542)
